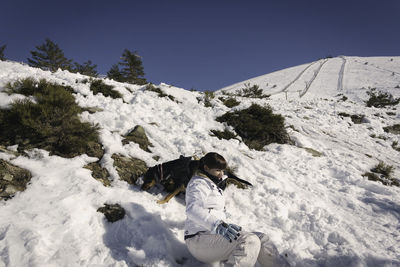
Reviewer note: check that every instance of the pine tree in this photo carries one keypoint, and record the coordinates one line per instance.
(115, 74)
(2, 48)
(88, 68)
(132, 67)
(50, 57)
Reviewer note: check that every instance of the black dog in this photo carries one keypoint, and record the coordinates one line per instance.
(174, 175)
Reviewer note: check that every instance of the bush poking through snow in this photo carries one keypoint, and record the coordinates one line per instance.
(230, 102)
(31, 87)
(394, 129)
(380, 99)
(208, 96)
(226, 134)
(356, 119)
(98, 86)
(395, 146)
(257, 126)
(382, 173)
(251, 91)
(51, 122)
(152, 88)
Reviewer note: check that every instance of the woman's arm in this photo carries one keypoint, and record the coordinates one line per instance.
(196, 195)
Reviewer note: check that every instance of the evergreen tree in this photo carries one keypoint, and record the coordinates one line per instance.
(132, 67)
(2, 48)
(88, 68)
(115, 74)
(50, 57)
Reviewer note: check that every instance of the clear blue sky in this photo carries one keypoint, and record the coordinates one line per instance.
(204, 44)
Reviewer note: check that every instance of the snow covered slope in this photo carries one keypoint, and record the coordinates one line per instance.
(320, 211)
(330, 77)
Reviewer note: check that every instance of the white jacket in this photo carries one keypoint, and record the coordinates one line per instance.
(205, 205)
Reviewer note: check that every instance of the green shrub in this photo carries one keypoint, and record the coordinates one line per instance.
(395, 145)
(98, 86)
(230, 102)
(226, 134)
(394, 129)
(208, 95)
(257, 126)
(251, 91)
(382, 173)
(31, 87)
(343, 97)
(380, 99)
(50, 123)
(152, 88)
(356, 119)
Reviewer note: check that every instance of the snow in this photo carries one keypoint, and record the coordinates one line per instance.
(320, 211)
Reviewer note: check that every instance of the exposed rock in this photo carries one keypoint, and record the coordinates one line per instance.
(99, 173)
(138, 136)
(313, 152)
(92, 110)
(129, 169)
(113, 212)
(12, 179)
(6, 150)
(95, 149)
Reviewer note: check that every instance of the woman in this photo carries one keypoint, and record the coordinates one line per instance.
(208, 237)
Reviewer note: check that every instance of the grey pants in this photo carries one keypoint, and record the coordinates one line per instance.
(246, 251)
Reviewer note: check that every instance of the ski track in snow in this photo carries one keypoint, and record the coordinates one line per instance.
(309, 83)
(341, 75)
(297, 77)
(319, 211)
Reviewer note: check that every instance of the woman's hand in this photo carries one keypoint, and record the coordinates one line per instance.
(229, 231)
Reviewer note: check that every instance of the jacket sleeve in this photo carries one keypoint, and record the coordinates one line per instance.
(196, 194)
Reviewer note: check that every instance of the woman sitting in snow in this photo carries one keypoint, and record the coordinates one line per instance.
(208, 237)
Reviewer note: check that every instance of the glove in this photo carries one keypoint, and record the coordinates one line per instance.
(229, 231)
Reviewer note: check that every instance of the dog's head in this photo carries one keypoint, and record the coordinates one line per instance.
(150, 178)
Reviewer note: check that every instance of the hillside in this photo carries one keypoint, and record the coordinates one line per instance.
(311, 198)
(329, 77)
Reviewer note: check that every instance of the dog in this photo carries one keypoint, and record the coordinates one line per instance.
(174, 176)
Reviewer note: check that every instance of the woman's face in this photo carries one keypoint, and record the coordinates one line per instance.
(215, 172)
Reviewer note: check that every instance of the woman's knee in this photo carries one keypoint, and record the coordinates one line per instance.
(252, 241)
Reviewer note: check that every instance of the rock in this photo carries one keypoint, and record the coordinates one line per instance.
(99, 173)
(13, 179)
(94, 149)
(129, 169)
(138, 136)
(313, 152)
(113, 212)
